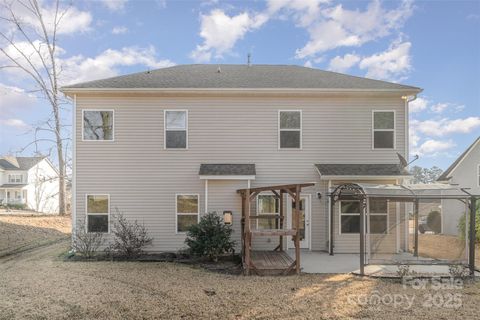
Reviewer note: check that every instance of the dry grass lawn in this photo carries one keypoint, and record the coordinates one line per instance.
(21, 232)
(40, 284)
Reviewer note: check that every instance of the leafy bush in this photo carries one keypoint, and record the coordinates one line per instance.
(403, 270)
(458, 271)
(461, 224)
(130, 238)
(15, 206)
(210, 237)
(434, 221)
(86, 243)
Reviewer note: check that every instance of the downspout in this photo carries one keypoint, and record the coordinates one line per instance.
(407, 99)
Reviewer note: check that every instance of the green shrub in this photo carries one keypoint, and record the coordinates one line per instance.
(210, 237)
(461, 225)
(15, 206)
(434, 221)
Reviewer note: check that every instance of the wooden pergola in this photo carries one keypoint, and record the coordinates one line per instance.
(276, 261)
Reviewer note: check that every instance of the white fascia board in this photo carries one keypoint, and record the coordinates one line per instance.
(323, 177)
(231, 177)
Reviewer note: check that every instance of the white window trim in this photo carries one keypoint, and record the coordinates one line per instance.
(279, 130)
(258, 206)
(96, 214)
(478, 176)
(346, 214)
(394, 130)
(83, 124)
(387, 214)
(185, 214)
(15, 175)
(165, 129)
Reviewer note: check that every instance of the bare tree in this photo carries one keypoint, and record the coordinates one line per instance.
(31, 46)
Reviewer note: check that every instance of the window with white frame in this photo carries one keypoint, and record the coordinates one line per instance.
(98, 212)
(176, 129)
(268, 204)
(350, 216)
(290, 129)
(378, 213)
(383, 129)
(15, 178)
(187, 212)
(98, 125)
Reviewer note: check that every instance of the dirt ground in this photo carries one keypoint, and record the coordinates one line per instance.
(40, 284)
(440, 246)
(21, 232)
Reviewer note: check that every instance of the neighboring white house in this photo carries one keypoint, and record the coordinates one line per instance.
(29, 181)
(168, 145)
(465, 171)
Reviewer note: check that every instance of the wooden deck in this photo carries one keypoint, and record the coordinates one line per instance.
(272, 262)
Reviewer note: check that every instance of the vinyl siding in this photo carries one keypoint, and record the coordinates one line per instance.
(142, 177)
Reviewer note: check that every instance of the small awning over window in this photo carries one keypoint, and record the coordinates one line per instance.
(225, 171)
(335, 170)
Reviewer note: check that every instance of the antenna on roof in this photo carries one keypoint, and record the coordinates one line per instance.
(249, 56)
(404, 162)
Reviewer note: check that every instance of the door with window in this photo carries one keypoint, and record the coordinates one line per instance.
(305, 219)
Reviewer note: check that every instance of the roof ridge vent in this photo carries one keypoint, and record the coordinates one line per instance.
(219, 70)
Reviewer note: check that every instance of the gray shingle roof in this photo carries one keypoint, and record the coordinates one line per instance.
(207, 76)
(227, 169)
(24, 163)
(445, 176)
(331, 169)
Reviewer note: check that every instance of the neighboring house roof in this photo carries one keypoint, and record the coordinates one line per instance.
(334, 169)
(13, 185)
(231, 76)
(445, 176)
(227, 170)
(19, 163)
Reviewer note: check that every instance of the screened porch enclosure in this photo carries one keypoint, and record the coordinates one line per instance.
(406, 224)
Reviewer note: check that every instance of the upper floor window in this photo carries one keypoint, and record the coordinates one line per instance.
(176, 129)
(267, 204)
(290, 129)
(383, 129)
(98, 125)
(15, 178)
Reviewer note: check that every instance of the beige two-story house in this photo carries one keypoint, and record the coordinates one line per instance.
(167, 146)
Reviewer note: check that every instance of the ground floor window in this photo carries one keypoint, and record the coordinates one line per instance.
(378, 209)
(187, 212)
(268, 204)
(98, 212)
(350, 216)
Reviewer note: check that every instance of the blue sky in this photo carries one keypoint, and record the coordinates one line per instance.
(431, 44)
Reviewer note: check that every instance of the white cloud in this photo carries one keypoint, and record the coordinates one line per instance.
(339, 27)
(72, 19)
(15, 123)
(220, 32)
(13, 99)
(439, 107)
(431, 147)
(107, 63)
(445, 126)
(392, 64)
(119, 30)
(304, 12)
(114, 5)
(342, 64)
(418, 105)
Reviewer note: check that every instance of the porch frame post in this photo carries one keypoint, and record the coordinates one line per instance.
(415, 219)
(297, 228)
(247, 232)
(362, 235)
(280, 203)
(472, 236)
(332, 217)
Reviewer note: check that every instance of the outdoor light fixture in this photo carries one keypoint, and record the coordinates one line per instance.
(227, 217)
(319, 195)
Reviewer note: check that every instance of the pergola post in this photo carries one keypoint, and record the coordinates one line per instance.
(415, 220)
(297, 228)
(247, 232)
(332, 217)
(362, 235)
(280, 203)
(472, 236)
